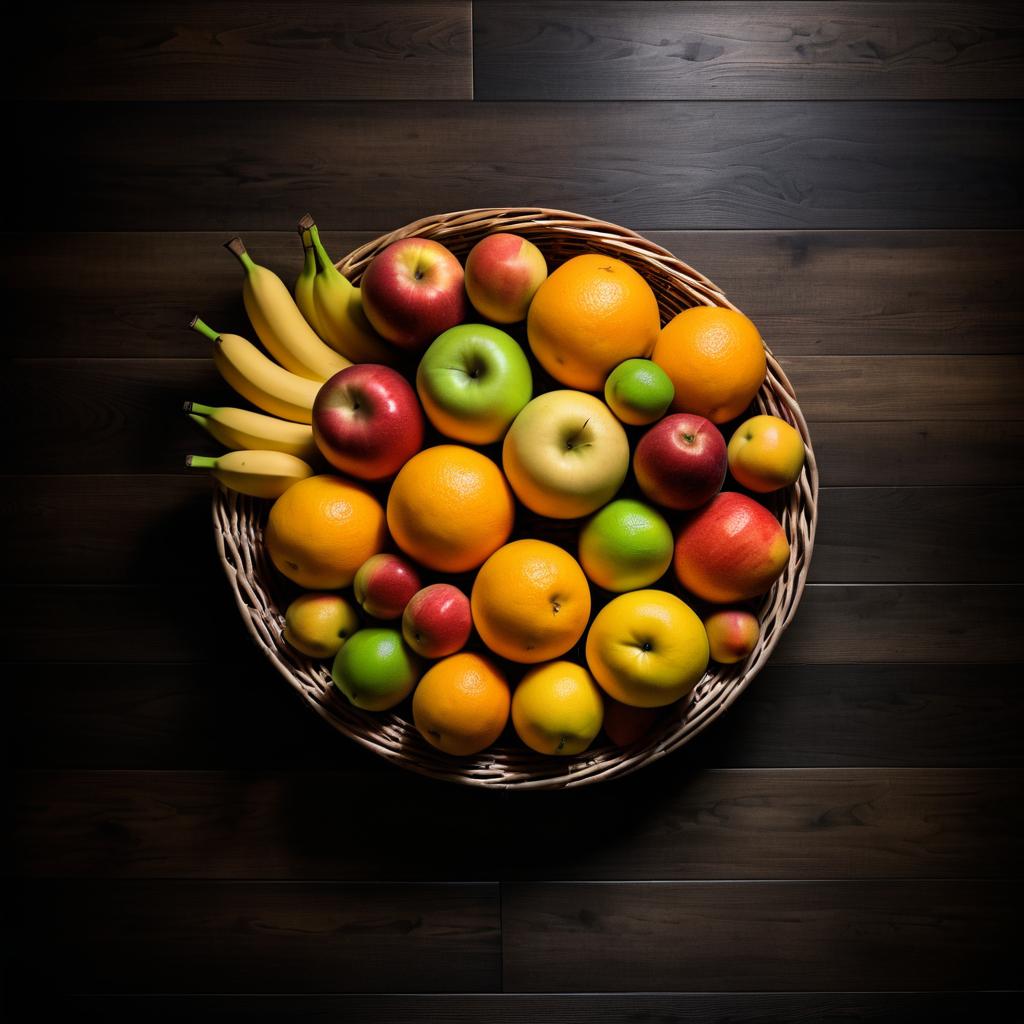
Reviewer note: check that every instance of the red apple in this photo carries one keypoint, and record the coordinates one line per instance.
(413, 291)
(503, 272)
(384, 585)
(437, 621)
(730, 550)
(367, 421)
(681, 461)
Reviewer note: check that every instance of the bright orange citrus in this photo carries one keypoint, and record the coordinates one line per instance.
(450, 507)
(716, 360)
(322, 529)
(530, 601)
(461, 704)
(592, 313)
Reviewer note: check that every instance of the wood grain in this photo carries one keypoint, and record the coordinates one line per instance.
(810, 292)
(664, 51)
(215, 166)
(180, 936)
(147, 529)
(760, 936)
(527, 1008)
(665, 824)
(836, 624)
(124, 415)
(268, 50)
(238, 714)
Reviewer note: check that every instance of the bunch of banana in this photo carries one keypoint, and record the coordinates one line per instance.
(333, 306)
(243, 429)
(259, 379)
(261, 474)
(280, 325)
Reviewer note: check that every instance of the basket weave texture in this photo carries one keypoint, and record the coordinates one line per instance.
(239, 521)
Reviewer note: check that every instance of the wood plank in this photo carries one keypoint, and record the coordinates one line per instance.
(810, 292)
(361, 166)
(177, 936)
(147, 529)
(664, 51)
(123, 716)
(124, 415)
(527, 1008)
(760, 936)
(270, 50)
(662, 824)
(836, 624)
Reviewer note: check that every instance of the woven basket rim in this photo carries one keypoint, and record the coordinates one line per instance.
(238, 536)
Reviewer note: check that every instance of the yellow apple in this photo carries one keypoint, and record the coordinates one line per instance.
(766, 453)
(647, 648)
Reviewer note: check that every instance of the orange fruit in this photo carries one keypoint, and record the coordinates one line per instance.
(530, 601)
(716, 360)
(461, 704)
(450, 507)
(322, 529)
(592, 313)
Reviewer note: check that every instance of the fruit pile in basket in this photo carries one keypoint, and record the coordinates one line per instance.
(467, 463)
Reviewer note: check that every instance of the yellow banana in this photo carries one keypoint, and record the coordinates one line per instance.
(244, 429)
(259, 474)
(255, 377)
(279, 324)
(338, 310)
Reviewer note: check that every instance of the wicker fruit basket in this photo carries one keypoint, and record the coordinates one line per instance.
(239, 521)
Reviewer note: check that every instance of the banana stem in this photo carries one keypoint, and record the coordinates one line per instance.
(321, 253)
(305, 223)
(201, 420)
(200, 462)
(204, 329)
(237, 248)
(204, 410)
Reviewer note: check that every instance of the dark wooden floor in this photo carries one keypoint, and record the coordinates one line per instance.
(846, 843)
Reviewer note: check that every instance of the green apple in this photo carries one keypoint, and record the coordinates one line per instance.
(375, 669)
(638, 391)
(565, 455)
(472, 381)
(626, 545)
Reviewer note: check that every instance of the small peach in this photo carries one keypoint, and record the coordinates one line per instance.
(503, 272)
(437, 621)
(766, 453)
(384, 585)
(732, 635)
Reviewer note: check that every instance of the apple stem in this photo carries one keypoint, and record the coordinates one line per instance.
(200, 462)
(237, 248)
(204, 329)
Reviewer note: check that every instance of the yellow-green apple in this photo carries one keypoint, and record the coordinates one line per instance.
(625, 545)
(647, 648)
(317, 624)
(375, 669)
(624, 724)
(638, 391)
(766, 453)
(732, 549)
(557, 708)
(437, 621)
(565, 454)
(384, 585)
(367, 421)
(503, 272)
(473, 380)
(412, 291)
(732, 635)
(681, 461)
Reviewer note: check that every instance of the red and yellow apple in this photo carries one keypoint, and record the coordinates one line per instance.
(384, 585)
(730, 550)
(732, 635)
(367, 421)
(437, 621)
(412, 291)
(565, 454)
(680, 462)
(766, 453)
(317, 624)
(503, 272)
